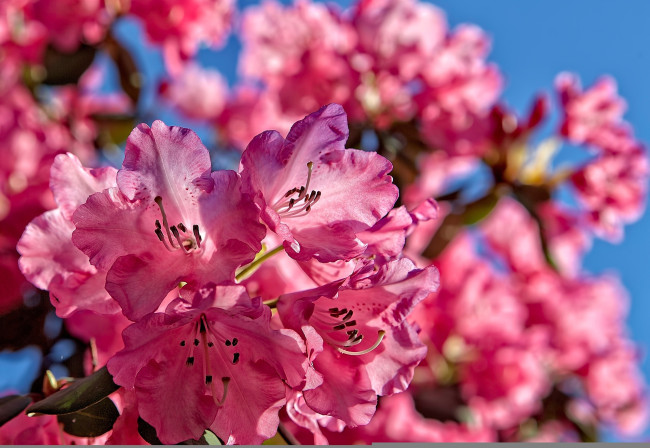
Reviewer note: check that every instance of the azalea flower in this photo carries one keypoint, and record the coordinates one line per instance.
(215, 357)
(315, 194)
(169, 220)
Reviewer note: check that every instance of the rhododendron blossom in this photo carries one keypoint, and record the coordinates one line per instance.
(369, 348)
(365, 244)
(168, 220)
(217, 359)
(303, 185)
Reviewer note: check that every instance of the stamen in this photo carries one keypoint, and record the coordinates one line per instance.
(196, 342)
(181, 243)
(234, 341)
(347, 316)
(351, 323)
(339, 327)
(225, 380)
(228, 342)
(380, 337)
(235, 358)
(208, 379)
(182, 227)
(197, 235)
(182, 343)
(161, 237)
(158, 201)
(190, 361)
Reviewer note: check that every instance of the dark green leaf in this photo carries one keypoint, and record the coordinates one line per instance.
(92, 421)
(67, 68)
(130, 77)
(78, 395)
(479, 209)
(12, 405)
(148, 432)
(113, 129)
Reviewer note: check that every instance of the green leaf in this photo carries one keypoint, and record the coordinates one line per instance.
(211, 438)
(479, 209)
(148, 432)
(66, 68)
(77, 395)
(93, 421)
(12, 405)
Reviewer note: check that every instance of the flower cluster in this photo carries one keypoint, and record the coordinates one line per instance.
(296, 296)
(165, 241)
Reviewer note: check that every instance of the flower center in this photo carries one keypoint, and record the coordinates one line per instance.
(291, 207)
(203, 336)
(178, 236)
(334, 321)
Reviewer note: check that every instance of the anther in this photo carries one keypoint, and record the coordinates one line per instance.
(186, 248)
(235, 358)
(196, 342)
(333, 310)
(210, 344)
(380, 337)
(234, 341)
(182, 227)
(182, 343)
(208, 379)
(202, 326)
(158, 224)
(290, 192)
(347, 316)
(158, 201)
(228, 342)
(160, 235)
(291, 202)
(190, 361)
(197, 235)
(339, 327)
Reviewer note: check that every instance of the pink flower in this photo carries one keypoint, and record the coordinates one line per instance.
(180, 26)
(616, 388)
(250, 111)
(72, 22)
(396, 421)
(505, 385)
(282, 41)
(589, 116)
(49, 259)
(199, 93)
(217, 361)
(168, 220)
(399, 35)
(613, 189)
(370, 349)
(303, 184)
(104, 331)
(459, 88)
